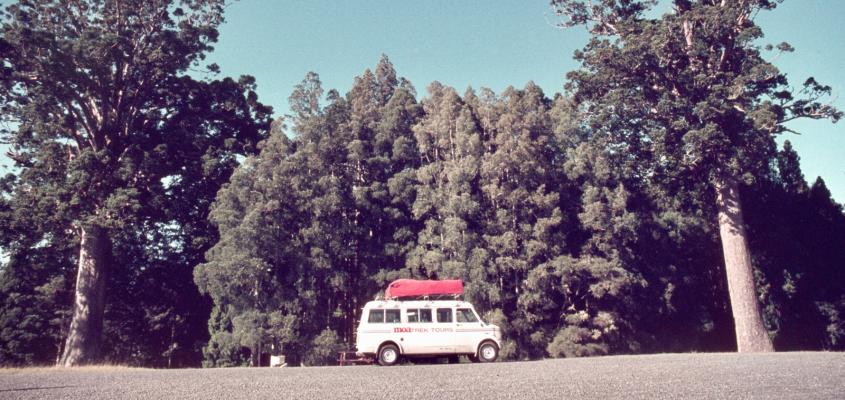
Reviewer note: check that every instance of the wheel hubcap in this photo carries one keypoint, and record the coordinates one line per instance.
(389, 356)
(488, 352)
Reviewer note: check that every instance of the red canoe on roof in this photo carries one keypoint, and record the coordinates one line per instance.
(415, 288)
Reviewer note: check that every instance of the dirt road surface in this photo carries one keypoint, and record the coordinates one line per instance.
(666, 376)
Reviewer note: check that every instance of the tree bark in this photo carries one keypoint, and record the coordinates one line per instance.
(256, 355)
(84, 336)
(751, 335)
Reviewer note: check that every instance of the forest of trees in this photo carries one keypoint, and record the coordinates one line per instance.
(607, 219)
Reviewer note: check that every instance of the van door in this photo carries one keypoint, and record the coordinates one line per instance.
(468, 330)
(443, 331)
(416, 334)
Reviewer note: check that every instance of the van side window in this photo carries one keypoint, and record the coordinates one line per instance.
(444, 315)
(419, 315)
(376, 317)
(466, 315)
(391, 316)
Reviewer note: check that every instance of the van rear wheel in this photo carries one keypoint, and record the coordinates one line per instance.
(488, 352)
(388, 355)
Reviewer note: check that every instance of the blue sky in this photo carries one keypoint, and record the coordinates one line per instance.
(495, 44)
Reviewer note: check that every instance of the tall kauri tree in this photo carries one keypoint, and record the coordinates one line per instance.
(692, 91)
(106, 123)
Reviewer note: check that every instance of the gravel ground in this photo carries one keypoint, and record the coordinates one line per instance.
(681, 376)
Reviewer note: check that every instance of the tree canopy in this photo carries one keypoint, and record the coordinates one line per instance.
(687, 102)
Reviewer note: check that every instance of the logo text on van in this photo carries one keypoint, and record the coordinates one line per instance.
(421, 330)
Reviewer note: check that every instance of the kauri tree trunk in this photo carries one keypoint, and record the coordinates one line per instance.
(86, 328)
(256, 355)
(751, 335)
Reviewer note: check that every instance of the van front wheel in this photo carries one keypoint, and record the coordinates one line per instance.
(388, 355)
(488, 352)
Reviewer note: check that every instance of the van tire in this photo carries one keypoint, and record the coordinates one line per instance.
(388, 355)
(488, 352)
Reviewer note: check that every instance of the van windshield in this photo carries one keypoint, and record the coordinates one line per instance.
(466, 315)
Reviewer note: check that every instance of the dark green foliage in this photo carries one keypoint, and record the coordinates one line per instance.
(310, 226)
(108, 132)
(448, 198)
(36, 282)
(575, 341)
(222, 349)
(156, 315)
(676, 109)
(798, 250)
(323, 349)
(35, 309)
(560, 241)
